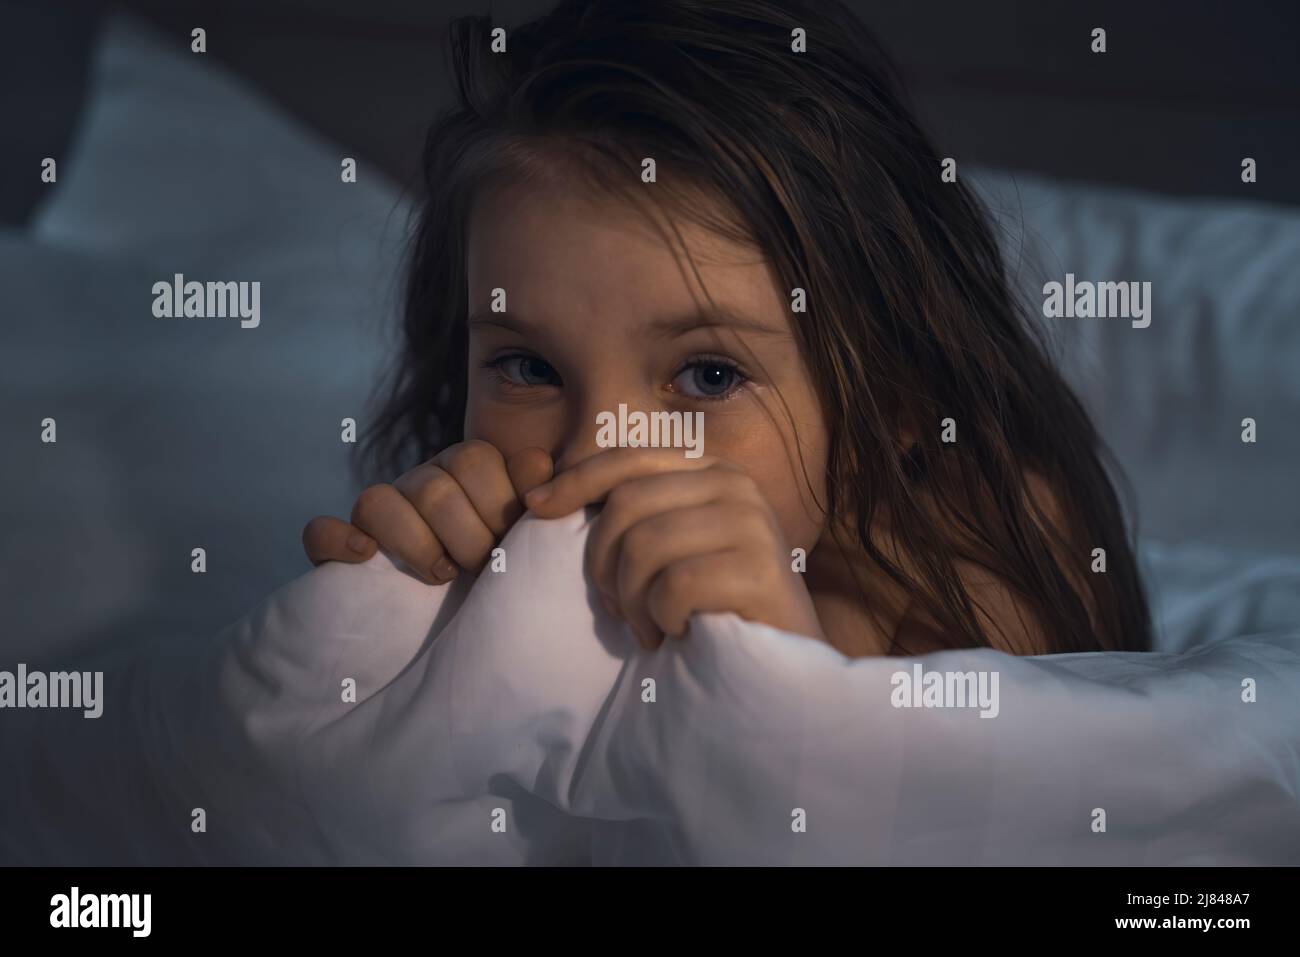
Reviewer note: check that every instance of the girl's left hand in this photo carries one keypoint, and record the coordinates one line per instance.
(678, 536)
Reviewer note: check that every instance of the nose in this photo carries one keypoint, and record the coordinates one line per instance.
(579, 441)
(578, 446)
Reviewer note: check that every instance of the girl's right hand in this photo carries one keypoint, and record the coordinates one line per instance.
(439, 517)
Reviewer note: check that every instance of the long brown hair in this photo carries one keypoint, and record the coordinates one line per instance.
(911, 316)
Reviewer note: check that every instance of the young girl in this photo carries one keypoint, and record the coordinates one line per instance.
(726, 207)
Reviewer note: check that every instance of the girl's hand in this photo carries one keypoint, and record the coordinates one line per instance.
(441, 516)
(677, 536)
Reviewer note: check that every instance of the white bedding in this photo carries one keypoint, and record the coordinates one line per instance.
(514, 693)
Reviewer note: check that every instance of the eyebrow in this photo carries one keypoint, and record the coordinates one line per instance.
(665, 327)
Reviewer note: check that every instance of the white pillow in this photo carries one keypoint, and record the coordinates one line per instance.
(184, 433)
(1223, 345)
(179, 162)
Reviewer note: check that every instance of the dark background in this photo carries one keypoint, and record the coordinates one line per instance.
(1185, 90)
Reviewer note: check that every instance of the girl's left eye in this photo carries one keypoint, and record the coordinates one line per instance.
(709, 379)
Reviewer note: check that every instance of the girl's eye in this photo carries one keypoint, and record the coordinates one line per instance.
(704, 378)
(524, 370)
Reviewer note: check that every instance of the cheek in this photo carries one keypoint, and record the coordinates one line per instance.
(795, 489)
(795, 499)
(489, 425)
(512, 429)
(804, 516)
(475, 424)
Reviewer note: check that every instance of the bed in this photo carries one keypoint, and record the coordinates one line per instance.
(505, 720)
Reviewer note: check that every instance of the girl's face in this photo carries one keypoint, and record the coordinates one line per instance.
(600, 312)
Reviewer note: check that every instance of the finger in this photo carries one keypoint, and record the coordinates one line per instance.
(326, 538)
(387, 516)
(529, 468)
(480, 470)
(593, 478)
(713, 582)
(669, 537)
(638, 499)
(446, 509)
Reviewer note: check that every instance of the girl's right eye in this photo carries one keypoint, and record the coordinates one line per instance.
(523, 370)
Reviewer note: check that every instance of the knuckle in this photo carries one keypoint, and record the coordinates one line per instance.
(752, 525)
(674, 581)
(669, 600)
(752, 519)
(372, 502)
(473, 455)
(637, 538)
(727, 467)
(737, 481)
(661, 613)
(435, 489)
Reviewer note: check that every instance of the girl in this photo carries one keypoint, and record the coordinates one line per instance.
(726, 207)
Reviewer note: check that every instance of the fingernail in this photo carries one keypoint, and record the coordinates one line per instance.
(445, 570)
(539, 494)
(358, 543)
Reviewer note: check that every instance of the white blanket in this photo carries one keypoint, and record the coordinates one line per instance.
(506, 720)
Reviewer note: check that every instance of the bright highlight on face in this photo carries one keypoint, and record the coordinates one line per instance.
(603, 307)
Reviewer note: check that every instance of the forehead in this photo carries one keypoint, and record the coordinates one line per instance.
(556, 247)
